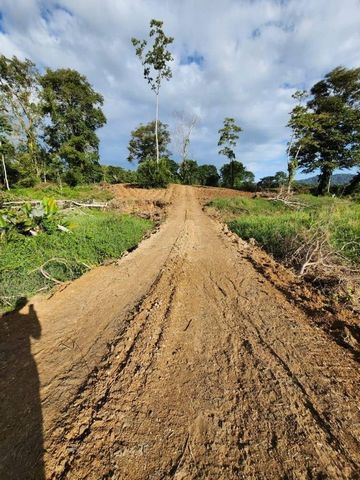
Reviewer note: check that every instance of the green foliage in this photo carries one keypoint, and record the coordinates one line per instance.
(157, 57)
(113, 174)
(30, 220)
(153, 174)
(142, 145)
(279, 230)
(81, 192)
(208, 175)
(229, 135)
(74, 113)
(19, 100)
(48, 125)
(234, 174)
(95, 237)
(275, 181)
(188, 172)
(326, 130)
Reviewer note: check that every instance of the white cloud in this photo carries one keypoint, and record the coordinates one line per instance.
(256, 53)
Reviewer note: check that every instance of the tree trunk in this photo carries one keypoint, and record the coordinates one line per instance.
(156, 129)
(232, 173)
(5, 172)
(324, 181)
(292, 167)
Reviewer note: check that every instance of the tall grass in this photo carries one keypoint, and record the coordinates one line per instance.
(81, 192)
(96, 236)
(279, 229)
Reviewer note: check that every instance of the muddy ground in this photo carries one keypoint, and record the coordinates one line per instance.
(193, 357)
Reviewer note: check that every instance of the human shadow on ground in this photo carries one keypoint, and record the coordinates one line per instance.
(21, 430)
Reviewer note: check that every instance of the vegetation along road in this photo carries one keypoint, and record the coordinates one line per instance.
(179, 361)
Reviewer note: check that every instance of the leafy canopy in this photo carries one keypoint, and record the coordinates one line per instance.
(142, 145)
(74, 113)
(327, 129)
(229, 134)
(234, 174)
(156, 57)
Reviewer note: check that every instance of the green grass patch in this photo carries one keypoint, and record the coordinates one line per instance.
(280, 229)
(96, 236)
(81, 192)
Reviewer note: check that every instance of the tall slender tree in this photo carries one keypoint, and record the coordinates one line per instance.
(229, 134)
(5, 145)
(292, 161)
(155, 59)
(185, 124)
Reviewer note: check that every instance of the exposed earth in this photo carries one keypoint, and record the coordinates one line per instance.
(191, 357)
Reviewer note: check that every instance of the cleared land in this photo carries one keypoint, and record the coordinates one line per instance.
(187, 359)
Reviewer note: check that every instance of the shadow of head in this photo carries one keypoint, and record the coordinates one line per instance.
(20, 322)
(20, 303)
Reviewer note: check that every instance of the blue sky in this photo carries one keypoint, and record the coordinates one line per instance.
(238, 58)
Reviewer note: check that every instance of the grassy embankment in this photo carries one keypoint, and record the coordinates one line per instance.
(281, 230)
(31, 264)
(81, 192)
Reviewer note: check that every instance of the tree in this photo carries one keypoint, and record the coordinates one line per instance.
(19, 91)
(280, 179)
(208, 175)
(5, 145)
(273, 181)
(234, 174)
(142, 145)
(185, 124)
(354, 185)
(188, 172)
(229, 134)
(151, 174)
(74, 114)
(327, 128)
(156, 64)
(115, 174)
(292, 162)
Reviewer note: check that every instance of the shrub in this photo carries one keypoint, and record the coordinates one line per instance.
(151, 174)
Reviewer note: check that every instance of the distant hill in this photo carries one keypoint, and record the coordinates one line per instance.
(336, 179)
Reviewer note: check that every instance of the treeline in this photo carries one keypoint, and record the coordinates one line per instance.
(48, 125)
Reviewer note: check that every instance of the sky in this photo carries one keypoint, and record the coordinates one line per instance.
(232, 58)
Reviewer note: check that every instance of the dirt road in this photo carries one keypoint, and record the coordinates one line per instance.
(181, 361)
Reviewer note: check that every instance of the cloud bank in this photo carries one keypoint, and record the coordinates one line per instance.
(239, 58)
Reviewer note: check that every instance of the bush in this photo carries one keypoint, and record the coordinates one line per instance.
(31, 220)
(74, 177)
(151, 174)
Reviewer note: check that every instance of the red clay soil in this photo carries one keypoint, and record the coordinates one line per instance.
(183, 361)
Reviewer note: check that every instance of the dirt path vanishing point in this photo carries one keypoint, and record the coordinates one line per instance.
(181, 362)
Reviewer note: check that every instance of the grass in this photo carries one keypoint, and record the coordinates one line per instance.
(279, 229)
(81, 192)
(96, 236)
